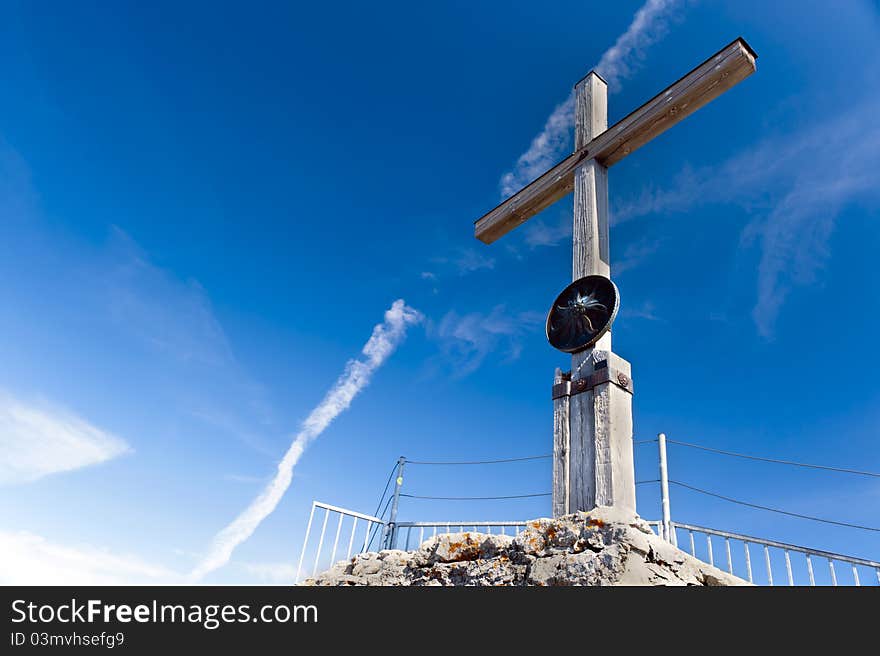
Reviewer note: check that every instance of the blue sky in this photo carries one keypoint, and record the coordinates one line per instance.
(205, 210)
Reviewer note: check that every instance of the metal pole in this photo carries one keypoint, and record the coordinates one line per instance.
(391, 532)
(664, 489)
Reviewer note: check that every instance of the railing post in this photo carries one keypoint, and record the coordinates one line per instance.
(664, 490)
(302, 554)
(391, 527)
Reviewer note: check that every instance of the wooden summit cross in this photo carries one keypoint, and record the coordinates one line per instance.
(592, 422)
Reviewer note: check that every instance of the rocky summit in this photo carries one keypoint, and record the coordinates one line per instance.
(600, 547)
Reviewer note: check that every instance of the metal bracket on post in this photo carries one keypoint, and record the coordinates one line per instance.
(391, 527)
(602, 374)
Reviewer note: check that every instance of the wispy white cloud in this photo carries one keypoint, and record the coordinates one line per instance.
(467, 339)
(635, 253)
(273, 573)
(543, 233)
(645, 311)
(30, 559)
(619, 62)
(649, 25)
(546, 148)
(37, 440)
(539, 233)
(114, 287)
(469, 260)
(795, 201)
(795, 236)
(171, 315)
(238, 422)
(462, 262)
(169, 321)
(357, 374)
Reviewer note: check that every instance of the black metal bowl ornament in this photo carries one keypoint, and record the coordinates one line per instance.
(582, 313)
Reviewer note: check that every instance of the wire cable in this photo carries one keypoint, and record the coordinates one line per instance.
(775, 510)
(655, 480)
(385, 509)
(476, 462)
(780, 462)
(512, 496)
(500, 460)
(376, 527)
(387, 483)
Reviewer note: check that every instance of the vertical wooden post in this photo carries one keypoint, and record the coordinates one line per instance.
(590, 235)
(590, 253)
(560, 444)
(600, 423)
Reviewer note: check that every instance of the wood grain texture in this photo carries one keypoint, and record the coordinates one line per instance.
(601, 471)
(615, 474)
(709, 80)
(590, 109)
(590, 220)
(590, 226)
(582, 453)
(560, 450)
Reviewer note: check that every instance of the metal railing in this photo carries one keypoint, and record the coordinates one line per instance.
(738, 560)
(370, 526)
(657, 525)
(353, 533)
(449, 527)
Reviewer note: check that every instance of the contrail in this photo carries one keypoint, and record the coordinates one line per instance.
(616, 64)
(385, 338)
(648, 26)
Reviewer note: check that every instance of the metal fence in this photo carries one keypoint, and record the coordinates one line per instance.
(360, 531)
(736, 559)
(352, 533)
(403, 532)
(796, 562)
(340, 533)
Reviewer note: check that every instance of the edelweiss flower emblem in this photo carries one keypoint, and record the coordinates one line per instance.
(582, 313)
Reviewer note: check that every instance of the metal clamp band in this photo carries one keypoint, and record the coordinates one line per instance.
(604, 374)
(562, 389)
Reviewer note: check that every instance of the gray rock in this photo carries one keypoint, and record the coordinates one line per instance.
(600, 547)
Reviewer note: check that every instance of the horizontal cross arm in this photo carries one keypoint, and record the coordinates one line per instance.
(723, 70)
